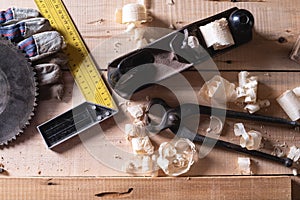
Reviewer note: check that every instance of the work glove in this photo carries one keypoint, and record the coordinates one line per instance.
(41, 44)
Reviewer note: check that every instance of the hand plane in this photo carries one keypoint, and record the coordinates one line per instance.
(169, 55)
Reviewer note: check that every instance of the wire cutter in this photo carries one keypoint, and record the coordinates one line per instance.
(171, 118)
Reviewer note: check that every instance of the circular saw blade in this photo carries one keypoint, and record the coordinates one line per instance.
(18, 90)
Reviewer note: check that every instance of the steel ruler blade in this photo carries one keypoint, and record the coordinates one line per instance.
(81, 64)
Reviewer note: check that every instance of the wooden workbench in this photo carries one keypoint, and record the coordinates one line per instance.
(69, 171)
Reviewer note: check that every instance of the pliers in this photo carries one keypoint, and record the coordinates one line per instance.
(171, 118)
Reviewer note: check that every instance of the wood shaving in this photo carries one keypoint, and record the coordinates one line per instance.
(264, 103)
(278, 152)
(215, 89)
(142, 145)
(244, 166)
(138, 37)
(250, 140)
(247, 88)
(133, 131)
(142, 164)
(294, 153)
(118, 15)
(193, 42)
(185, 39)
(295, 54)
(247, 92)
(215, 126)
(295, 172)
(138, 34)
(297, 91)
(134, 12)
(130, 27)
(176, 157)
(255, 140)
(254, 107)
(290, 103)
(136, 111)
(217, 34)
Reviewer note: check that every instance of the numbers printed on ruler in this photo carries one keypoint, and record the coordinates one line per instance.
(82, 66)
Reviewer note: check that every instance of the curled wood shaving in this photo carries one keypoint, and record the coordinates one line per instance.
(193, 42)
(217, 34)
(247, 92)
(297, 91)
(294, 153)
(295, 172)
(142, 164)
(118, 15)
(290, 103)
(254, 140)
(247, 88)
(215, 125)
(254, 107)
(176, 157)
(244, 166)
(134, 12)
(295, 54)
(142, 145)
(215, 89)
(278, 152)
(250, 140)
(136, 111)
(133, 131)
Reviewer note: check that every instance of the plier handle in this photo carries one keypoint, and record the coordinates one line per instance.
(171, 118)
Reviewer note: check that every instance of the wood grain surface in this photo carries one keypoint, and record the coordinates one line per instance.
(275, 188)
(264, 57)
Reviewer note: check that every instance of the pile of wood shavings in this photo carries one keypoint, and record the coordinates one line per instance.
(174, 158)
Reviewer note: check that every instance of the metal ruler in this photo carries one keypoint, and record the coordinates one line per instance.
(99, 103)
(81, 64)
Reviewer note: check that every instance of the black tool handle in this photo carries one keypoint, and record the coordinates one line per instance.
(188, 109)
(246, 116)
(227, 145)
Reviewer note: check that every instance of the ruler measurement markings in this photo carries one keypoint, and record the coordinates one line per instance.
(81, 54)
(86, 77)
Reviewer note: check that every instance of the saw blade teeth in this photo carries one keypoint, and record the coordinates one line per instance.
(11, 47)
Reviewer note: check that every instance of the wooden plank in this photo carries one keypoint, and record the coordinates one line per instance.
(273, 19)
(28, 156)
(213, 188)
(296, 187)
